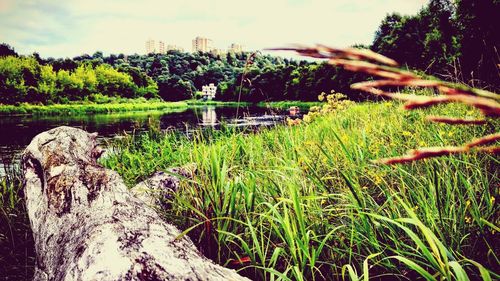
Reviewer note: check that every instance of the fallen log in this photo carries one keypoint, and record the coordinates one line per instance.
(88, 226)
(162, 186)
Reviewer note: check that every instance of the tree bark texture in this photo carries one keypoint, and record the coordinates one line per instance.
(87, 225)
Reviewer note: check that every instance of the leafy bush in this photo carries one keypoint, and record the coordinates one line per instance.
(24, 79)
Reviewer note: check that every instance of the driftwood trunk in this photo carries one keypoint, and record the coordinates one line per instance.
(88, 226)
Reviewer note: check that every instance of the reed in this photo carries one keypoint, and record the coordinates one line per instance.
(366, 61)
(305, 202)
(17, 258)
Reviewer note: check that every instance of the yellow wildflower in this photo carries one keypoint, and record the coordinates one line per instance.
(292, 122)
(344, 138)
(468, 219)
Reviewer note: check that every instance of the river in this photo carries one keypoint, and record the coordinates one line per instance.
(16, 132)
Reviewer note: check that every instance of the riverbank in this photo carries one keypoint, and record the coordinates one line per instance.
(287, 104)
(129, 105)
(217, 103)
(87, 108)
(305, 201)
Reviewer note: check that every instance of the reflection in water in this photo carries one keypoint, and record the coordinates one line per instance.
(16, 132)
(208, 116)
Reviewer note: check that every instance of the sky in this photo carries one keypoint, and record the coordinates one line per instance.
(67, 28)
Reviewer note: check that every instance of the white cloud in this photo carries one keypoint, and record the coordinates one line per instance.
(69, 28)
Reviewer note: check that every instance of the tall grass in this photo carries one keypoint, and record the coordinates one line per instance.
(17, 258)
(306, 203)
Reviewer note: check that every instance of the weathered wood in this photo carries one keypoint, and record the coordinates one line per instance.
(88, 226)
(161, 186)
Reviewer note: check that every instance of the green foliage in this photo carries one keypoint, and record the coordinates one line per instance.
(96, 104)
(18, 77)
(478, 38)
(306, 105)
(24, 79)
(449, 39)
(7, 50)
(306, 203)
(333, 102)
(112, 82)
(17, 259)
(180, 76)
(453, 40)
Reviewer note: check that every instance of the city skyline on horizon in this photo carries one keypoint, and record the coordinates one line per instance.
(199, 44)
(73, 28)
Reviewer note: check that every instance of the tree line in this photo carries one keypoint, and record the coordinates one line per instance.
(453, 40)
(25, 79)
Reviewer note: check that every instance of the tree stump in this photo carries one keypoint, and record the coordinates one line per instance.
(88, 226)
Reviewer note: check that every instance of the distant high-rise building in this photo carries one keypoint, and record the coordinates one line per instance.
(201, 44)
(235, 48)
(161, 47)
(150, 46)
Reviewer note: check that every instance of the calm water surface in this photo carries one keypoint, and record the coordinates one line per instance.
(16, 132)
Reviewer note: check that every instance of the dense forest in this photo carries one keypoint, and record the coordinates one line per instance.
(454, 40)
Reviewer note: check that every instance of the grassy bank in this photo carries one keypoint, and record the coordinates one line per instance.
(306, 203)
(216, 103)
(124, 105)
(288, 104)
(87, 108)
(17, 249)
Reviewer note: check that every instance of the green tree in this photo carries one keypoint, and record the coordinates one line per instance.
(18, 79)
(479, 38)
(113, 83)
(7, 50)
(69, 87)
(47, 84)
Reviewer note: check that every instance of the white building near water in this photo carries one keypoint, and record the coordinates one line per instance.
(208, 91)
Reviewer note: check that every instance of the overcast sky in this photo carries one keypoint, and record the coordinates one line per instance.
(72, 27)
